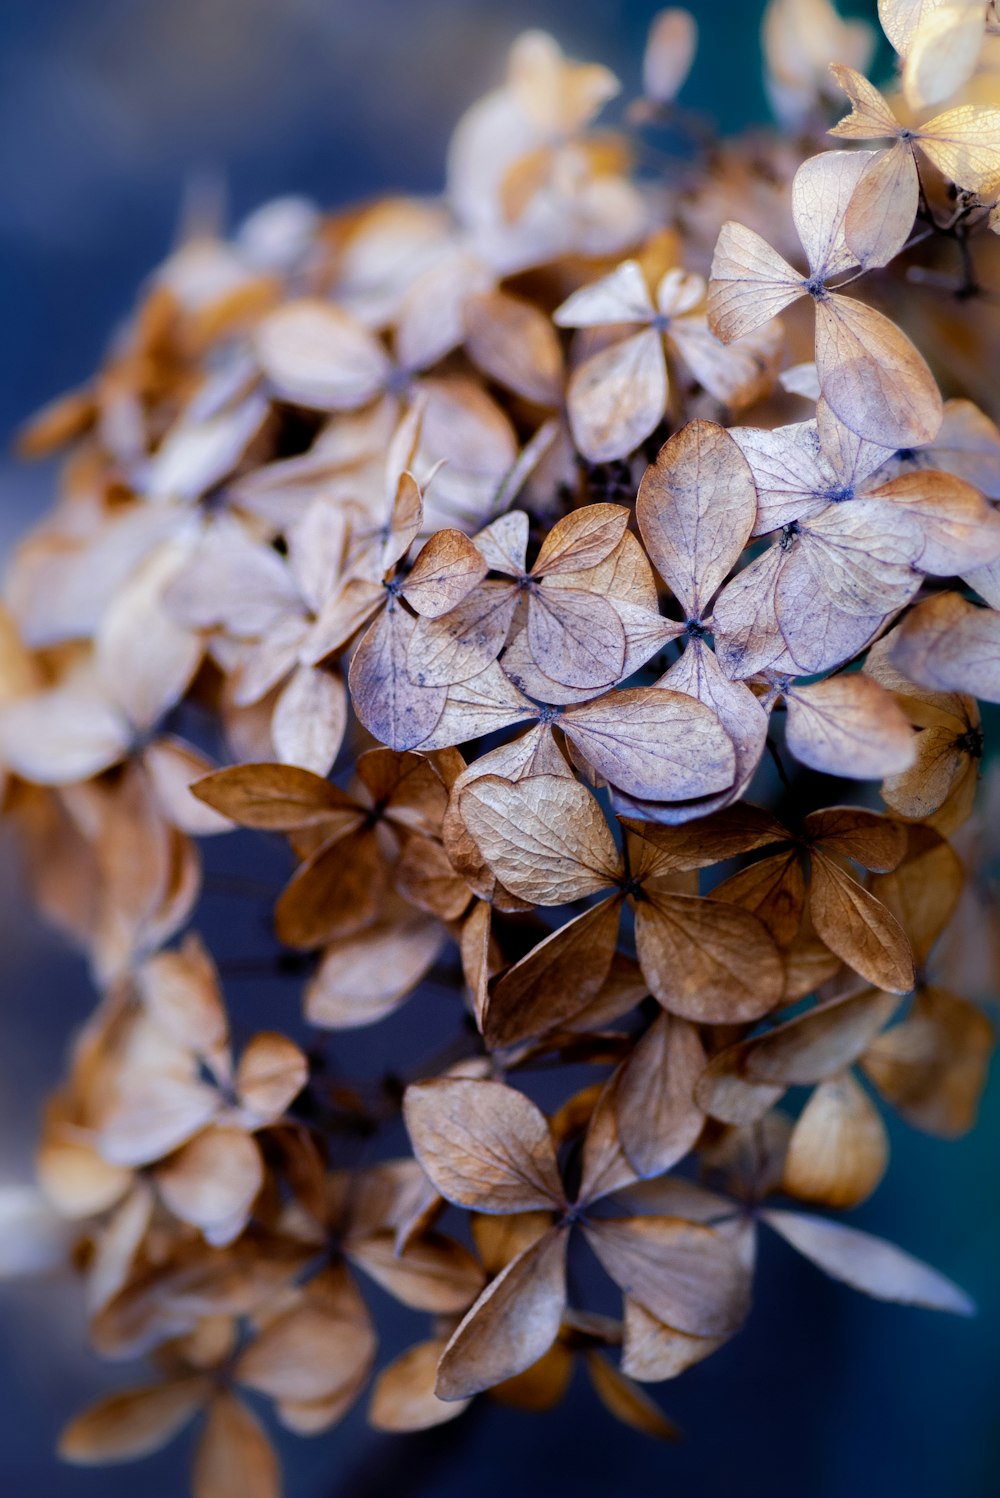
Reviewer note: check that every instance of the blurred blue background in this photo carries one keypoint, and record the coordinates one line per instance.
(107, 110)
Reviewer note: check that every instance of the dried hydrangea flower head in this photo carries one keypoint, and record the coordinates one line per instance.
(560, 627)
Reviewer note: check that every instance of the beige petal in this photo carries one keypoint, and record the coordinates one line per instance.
(307, 1353)
(434, 1273)
(61, 736)
(822, 191)
(652, 1352)
(545, 837)
(868, 1264)
(514, 343)
(696, 508)
(309, 720)
(652, 742)
(213, 1181)
(173, 766)
(145, 658)
(949, 645)
(315, 354)
(842, 727)
(181, 992)
(621, 297)
(750, 283)
(943, 53)
(463, 643)
(363, 978)
(447, 568)
(872, 376)
(884, 206)
(617, 397)
(577, 638)
(670, 50)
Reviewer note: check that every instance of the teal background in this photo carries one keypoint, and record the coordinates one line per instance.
(106, 108)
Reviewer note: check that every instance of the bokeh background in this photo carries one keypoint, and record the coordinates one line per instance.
(109, 110)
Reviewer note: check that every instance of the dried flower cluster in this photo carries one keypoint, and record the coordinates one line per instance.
(584, 576)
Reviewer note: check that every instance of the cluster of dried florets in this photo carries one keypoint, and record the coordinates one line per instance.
(489, 621)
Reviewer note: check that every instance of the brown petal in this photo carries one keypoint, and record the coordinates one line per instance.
(446, 570)
(680, 1272)
(868, 837)
(626, 1402)
(860, 930)
(424, 876)
(137, 1422)
(403, 1396)
(483, 1145)
(932, 1067)
(558, 978)
(271, 1073)
(708, 961)
(658, 1118)
(868, 1264)
(774, 890)
(433, 1273)
(277, 798)
(336, 892)
(512, 1324)
(234, 1458)
(839, 1150)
